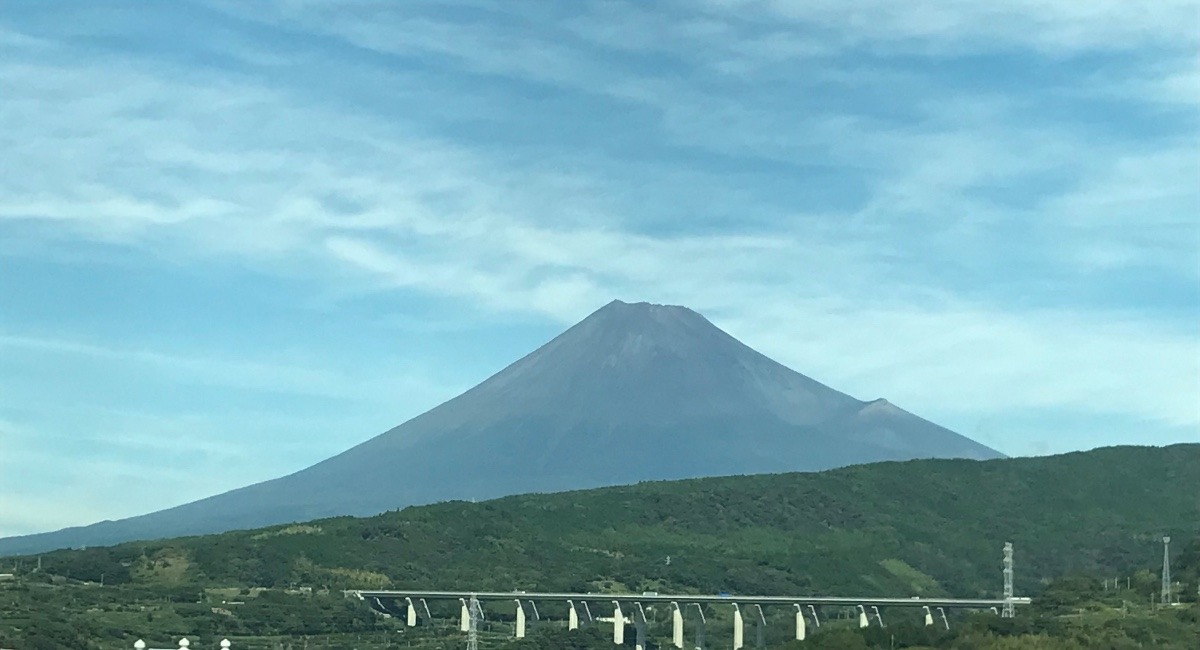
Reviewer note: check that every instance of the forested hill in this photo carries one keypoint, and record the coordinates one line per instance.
(899, 528)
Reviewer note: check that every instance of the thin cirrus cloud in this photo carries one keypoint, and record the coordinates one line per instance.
(984, 212)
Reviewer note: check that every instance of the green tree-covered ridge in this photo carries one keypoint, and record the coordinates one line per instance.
(929, 527)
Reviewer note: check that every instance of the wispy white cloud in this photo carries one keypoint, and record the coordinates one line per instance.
(966, 208)
(424, 213)
(276, 376)
(1056, 26)
(959, 358)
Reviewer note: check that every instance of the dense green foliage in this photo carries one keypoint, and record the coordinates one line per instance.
(914, 528)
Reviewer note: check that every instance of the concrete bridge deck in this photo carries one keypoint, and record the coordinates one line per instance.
(649, 597)
(580, 613)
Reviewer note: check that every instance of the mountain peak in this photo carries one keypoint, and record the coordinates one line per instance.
(634, 392)
(627, 330)
(619, 309)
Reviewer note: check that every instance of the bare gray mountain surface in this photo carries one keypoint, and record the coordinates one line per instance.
(634, 392)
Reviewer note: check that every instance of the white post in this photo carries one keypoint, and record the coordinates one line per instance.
(800, 624)
(862, 617)
(928, 616)
(520, 620)
(739, 628)
(411, 616)
(464, 617)
(184, 643)
(618, 624)
(572, 617)
(676, 626)
(225, 644)
(137, 645)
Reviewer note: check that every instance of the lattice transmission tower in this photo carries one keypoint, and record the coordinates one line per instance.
(1166, 576)
(1009, 609)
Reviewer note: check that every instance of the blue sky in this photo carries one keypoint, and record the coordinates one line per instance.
(237, 238)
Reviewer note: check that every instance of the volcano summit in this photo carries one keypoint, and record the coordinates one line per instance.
(634, 392)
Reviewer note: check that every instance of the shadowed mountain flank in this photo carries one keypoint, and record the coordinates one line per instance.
(633, 392)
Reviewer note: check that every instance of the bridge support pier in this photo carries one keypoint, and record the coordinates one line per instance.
(863, 621)
(700, 624)
(537, 618)
(760, 625)
(519, 630)
(639, 625)
(572, 616)
(676, 626)
(801, 630)
(945, 621)
(928, 616)
(878, 617)
(587, 614)
(618, 624)
(410, 617)
(464, 617)
(816, 619)
(739, 628)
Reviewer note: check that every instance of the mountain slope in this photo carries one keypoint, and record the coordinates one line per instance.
(633, 392)
(930, 527)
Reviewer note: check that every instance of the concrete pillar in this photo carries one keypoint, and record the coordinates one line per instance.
(760, 625)
(639, 624)
(464, 616)
(537, 618)
(587, 614)
(411, 614)
(878, 616)
(700, 625)
(676, 626)
(572, 617)
(739, 628)
(816, 620)
(618, 624)
(928, 616)
(862, 617)
(942, 611)
(801, 630)
(520, 627)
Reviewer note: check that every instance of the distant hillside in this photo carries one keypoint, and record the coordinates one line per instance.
(896, 528)
(633, 392)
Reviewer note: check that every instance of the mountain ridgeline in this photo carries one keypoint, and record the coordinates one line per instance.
(634, 392)
(923, 527)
